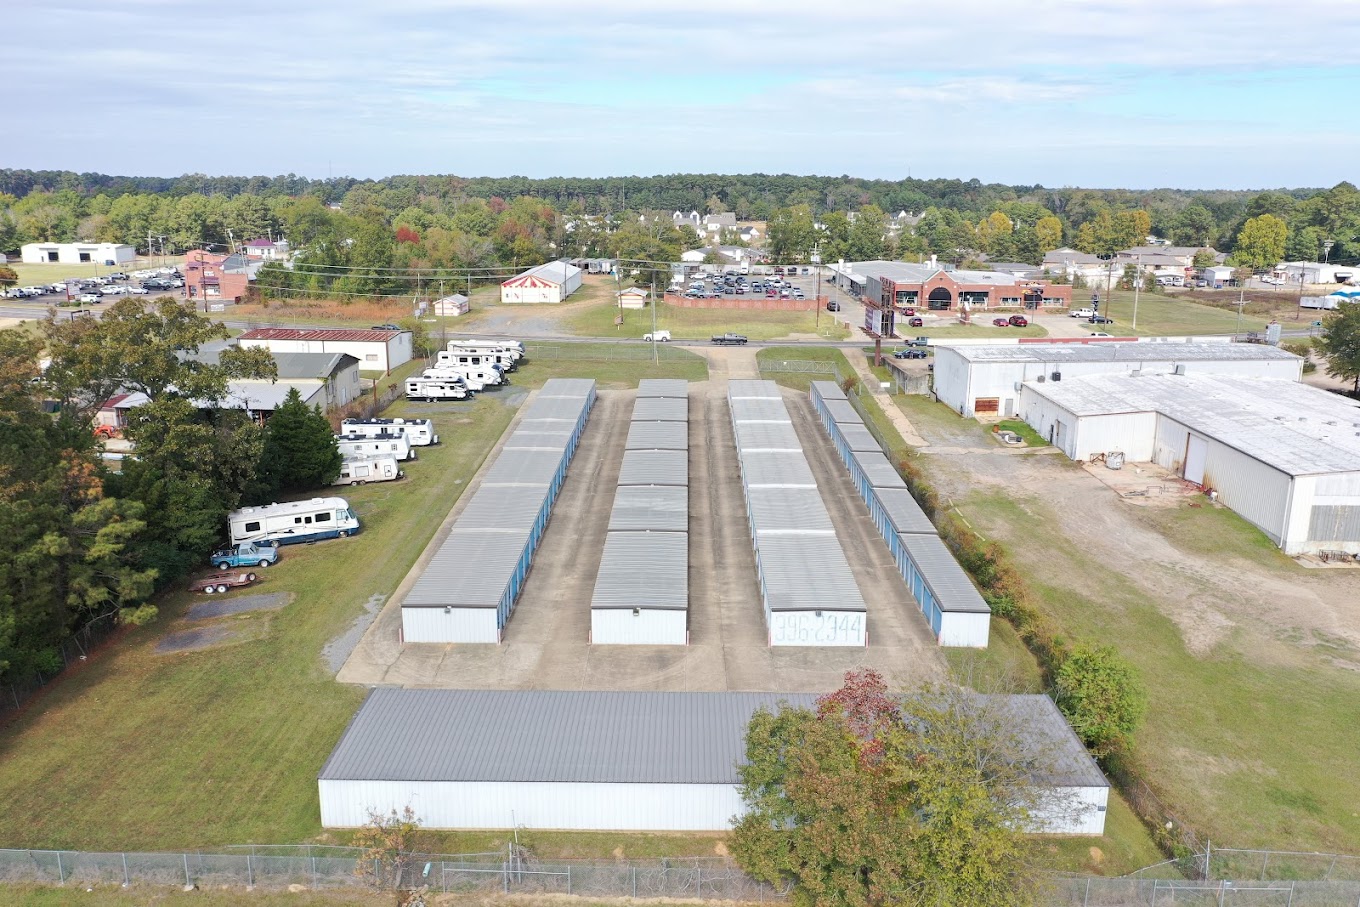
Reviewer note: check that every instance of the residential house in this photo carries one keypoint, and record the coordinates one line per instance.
(734, 255)
(267, 249)
(714, 224)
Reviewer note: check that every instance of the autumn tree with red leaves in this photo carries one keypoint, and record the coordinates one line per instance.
(877, 799)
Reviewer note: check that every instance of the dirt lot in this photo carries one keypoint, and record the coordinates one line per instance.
(1246, 653)
(546, 641)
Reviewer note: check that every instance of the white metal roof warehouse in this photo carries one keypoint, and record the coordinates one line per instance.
(604, 760)
(1283, 455)
(984, 379)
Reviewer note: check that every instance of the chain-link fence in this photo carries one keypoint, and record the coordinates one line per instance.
(1324, 880)
(73, 650)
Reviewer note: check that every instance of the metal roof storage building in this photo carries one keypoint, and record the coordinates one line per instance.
(642, 589)
(613, 761)
(468, 589)
(663, 387)
(808, 591)
(1285, 456)
(957, 614)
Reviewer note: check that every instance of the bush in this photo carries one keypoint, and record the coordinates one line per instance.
(1101, 696)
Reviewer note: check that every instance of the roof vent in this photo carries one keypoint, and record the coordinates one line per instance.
(1179, 370)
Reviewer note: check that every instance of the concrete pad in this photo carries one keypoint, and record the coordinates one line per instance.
(198, 638)
(222, 607)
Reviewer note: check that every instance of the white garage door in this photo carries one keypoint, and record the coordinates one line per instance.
(1196, 449)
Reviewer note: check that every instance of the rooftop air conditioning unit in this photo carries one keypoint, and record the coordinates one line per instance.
(1179, 370)
(1040, 379)
(1056, 376)
(1136, 373)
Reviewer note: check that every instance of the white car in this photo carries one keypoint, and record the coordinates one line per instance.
(1082, 313)
(88, 297)
(1100, 334)
(112, 291)
(135, 291)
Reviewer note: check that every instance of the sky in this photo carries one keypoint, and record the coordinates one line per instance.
(1232, 94)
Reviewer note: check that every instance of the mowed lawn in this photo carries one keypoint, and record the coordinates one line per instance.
(141, 750)
(1168, 315)
(701, 324)
(30, 274)
(610, 364)
(1252, 742)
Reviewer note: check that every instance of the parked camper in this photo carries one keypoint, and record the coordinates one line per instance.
(374, 469)
(514, 347)
(448, 373)
(485, 359)
(293, 522)
(418, 432)
(487, 374)
(383, 444)
(502, 357)
(432, 389)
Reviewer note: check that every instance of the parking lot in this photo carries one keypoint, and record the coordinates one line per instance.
(546, 643)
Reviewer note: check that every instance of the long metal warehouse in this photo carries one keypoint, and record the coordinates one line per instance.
(611, 761)
(468, 589)
(809, 594)
(957, 614)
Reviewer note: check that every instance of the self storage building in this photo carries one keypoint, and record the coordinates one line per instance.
(615, 761)
(1285, 456)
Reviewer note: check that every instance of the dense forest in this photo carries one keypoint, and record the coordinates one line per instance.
(368, 237)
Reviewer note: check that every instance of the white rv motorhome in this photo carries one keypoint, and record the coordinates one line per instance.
(432, 389)
(448, 373)
(293, 522)
(502, 357)
(419, 432)
(513, 347)
(373, 469)
(483, 359)
(387, 444)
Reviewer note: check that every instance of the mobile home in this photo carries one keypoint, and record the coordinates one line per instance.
(293, 522)
(374, 469)
(385, 444)
(418, 432)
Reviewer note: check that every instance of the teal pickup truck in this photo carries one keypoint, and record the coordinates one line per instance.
(245, 555)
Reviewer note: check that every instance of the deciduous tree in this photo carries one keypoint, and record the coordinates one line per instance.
(1101, 696)
(1260, 242)
(1340, 343)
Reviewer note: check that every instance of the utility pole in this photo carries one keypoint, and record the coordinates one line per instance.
(656, 353)
(1137, 283)
(817, 294)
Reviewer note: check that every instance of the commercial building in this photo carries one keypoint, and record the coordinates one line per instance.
(551, 282)
(1285, 456)
(327, 380)
(985, 380)
(611, 761)
(376, 350)
(212, 278)
(75, 253)
(956, 612)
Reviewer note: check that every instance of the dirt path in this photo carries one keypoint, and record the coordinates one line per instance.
(859, 360)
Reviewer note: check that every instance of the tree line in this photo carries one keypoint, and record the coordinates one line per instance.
(82, 543)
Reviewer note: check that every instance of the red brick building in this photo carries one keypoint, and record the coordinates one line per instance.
(210, 278)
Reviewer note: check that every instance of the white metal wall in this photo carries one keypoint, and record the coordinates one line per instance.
(1130, 432)
(951, 380)
(650, 627)
(818, 628)
(1336, 490)
(457, 625)
(1073, 811)
(1043, 415)
(560, 805)
(964, 628)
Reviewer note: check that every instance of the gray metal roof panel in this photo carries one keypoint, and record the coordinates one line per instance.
(661, 409)
(776, 467)
(539, 434)
(568, 387)
(503, 507)
(806, 573)
(524, 467)
(540, 407)
(1132, 352)
(751, 387)
(759, 409)
(903, 512)
(547, 735)
(881, 473)
(661, 508)
(654, 467)
(857, 437)
(472, 569)
(766, 436)
(643, 570)
(842, 412)
(782, 508)
(658, 436)
(663, 387)
(952, 588)
(826, 390)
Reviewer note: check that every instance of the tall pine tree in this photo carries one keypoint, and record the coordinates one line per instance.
(300, 452)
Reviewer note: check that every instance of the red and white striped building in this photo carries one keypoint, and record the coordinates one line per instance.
(552, 282)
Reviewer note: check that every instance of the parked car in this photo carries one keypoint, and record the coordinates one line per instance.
(1100, 319)
(1001, 322)
(1081, 313)
(1019, 321)
(919, 341)
(916, 322)
(1100, 334)
(135, 291)
(909, 312)
(833, 306)
(729, 339)
(910, 353)
(118, 275)
(89, 298)
(220, 582)
(387, 327)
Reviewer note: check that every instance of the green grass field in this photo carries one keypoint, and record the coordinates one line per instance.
(50, 273)
(600, 361)
(982, 328)
(1244, 740)
(146, 751)
(700, 324)
(1169, 315)
(770, 356)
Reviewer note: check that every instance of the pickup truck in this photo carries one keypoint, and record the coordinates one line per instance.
(244, 555)
(919, 341)
(659, 337)
(729, 339)
(1081, 313)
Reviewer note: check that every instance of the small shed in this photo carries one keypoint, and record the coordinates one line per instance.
(451, 306)
(633, 298)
